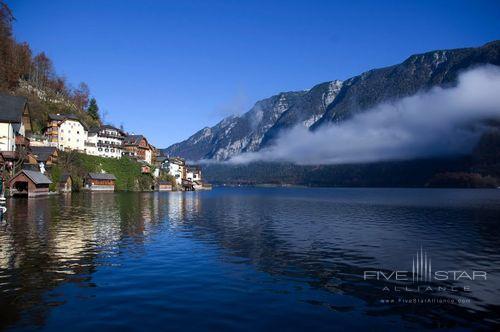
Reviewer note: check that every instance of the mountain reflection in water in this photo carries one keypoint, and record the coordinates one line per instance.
(244, 259)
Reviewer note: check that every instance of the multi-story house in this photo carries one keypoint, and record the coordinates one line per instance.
(106, 141)
(66, 132)
(193, 173)
(137, 147)
(176, 167)
(15, 122)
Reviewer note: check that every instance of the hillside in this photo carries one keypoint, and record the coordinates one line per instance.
(127, 171)
(23, 73)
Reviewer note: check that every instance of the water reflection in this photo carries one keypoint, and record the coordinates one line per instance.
(311, 246)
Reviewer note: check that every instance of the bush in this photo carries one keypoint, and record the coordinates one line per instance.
(55, 174)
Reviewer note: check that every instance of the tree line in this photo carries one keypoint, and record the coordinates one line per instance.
(33, 75)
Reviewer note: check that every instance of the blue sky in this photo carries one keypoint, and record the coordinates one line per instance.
(169, 68)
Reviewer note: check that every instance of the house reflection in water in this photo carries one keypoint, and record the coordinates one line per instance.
(65, 238)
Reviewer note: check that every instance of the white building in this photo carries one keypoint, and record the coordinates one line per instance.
(177, 168)
(105, 142)
(14, 121)
(66, 132)
(193, 173)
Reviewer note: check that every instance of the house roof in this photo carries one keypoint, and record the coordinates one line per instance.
(11, 108)
(110, 127)
(177, 160)
(64, 177)
(101, 176)
(10, 155)
(36, 177)
(161, 159)
(62, 117)
(42, 153)
(133, 139)
(193, 168)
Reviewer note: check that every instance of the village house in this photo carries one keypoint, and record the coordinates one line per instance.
(164, 185)
(105, 141)
(15, 122)
(161, 161)
(29, 183)
(38, 140)
(47, 155)
(193, 174)
(137, 147)
(66, 132)
(8, 159)
(65, 183)
(176, 167)
(100, 182)
(187, 185)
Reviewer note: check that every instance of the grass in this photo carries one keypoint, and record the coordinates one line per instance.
(127, 171)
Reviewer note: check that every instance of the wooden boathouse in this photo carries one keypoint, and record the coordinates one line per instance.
(100, 182)
(29, 183)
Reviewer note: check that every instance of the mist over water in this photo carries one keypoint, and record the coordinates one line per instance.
(439, 122)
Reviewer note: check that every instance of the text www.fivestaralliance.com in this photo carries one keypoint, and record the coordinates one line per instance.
(424, 301)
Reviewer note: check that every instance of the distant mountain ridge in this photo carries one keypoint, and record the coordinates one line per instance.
(330, 102)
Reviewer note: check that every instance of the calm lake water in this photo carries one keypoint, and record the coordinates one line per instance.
(249, 259)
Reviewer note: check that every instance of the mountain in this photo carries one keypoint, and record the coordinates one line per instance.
(417, 73)
(331, 102)
(259, 126)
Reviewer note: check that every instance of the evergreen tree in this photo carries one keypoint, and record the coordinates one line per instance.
(93, 109)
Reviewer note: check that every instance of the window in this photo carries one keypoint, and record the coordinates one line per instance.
(100, 149)
(77, 132)
(113, 150)
(62, 130)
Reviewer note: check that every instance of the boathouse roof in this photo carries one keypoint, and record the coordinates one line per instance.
(36, 177)
(64, 177)
(102, 176)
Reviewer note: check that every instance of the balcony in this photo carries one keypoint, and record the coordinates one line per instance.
(109, 135)
(109, 145)
(22, 141)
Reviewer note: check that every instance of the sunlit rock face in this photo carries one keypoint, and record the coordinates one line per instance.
(330, 102)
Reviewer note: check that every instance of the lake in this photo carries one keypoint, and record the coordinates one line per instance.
(246, 259)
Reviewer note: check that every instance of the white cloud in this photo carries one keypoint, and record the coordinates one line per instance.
(439, 122)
